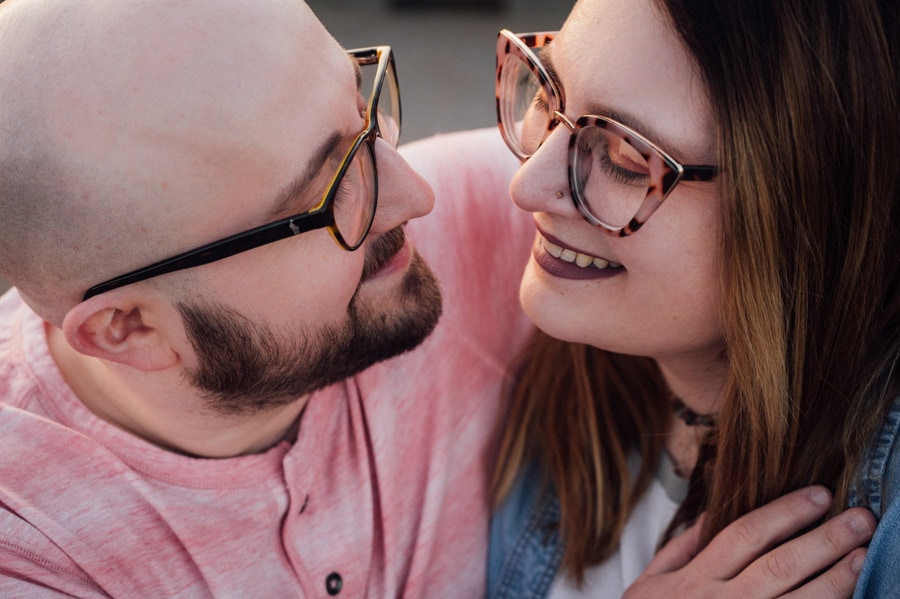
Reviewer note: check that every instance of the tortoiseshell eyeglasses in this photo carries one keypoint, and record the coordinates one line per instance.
(617, 177)
(347, 207)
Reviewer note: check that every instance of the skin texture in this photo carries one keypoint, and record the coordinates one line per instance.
(145, 166)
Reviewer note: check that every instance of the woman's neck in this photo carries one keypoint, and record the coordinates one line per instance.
(698, 383)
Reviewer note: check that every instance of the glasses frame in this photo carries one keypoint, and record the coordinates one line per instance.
(321, 216)
(668, 172)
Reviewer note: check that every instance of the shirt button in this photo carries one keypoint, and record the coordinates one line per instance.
(333, 583)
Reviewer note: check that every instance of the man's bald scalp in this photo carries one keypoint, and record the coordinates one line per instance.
(84, 85)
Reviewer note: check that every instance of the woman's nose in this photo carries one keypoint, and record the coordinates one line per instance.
(541, 184)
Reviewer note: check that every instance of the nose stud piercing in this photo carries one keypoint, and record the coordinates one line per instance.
(559, 194)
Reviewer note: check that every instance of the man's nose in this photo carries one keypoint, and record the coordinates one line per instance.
(402, 193)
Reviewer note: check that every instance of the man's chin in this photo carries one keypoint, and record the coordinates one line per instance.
(406, 316)
(247, 367)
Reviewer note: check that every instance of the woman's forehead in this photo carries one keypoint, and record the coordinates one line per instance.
(622, 58)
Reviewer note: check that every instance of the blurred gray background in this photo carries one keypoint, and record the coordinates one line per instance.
(444, 50)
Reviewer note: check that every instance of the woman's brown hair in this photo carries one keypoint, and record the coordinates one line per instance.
(805, 96)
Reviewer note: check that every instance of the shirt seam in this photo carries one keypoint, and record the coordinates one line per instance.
(56, 568)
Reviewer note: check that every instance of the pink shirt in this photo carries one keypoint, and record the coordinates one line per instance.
(384, 489)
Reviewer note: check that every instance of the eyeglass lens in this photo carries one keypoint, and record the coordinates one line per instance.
(611, 177)
(388, 112)
(355, 197)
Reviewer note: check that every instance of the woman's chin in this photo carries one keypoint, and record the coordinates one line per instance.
(549, 314)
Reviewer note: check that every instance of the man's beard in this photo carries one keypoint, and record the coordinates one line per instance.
(245, 367)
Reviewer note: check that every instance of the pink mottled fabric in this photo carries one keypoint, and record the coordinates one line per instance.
(384, 488)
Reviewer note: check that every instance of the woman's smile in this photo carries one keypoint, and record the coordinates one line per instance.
(561, 260)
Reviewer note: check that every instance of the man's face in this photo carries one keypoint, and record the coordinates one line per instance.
(236, 117)
(303, 313)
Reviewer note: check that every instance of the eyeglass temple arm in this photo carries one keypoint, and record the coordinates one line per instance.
(533, 39)
(699, 172)
(217, 250)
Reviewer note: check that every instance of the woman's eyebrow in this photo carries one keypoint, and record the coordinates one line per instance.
(634, 122)
(621, 115)
(546, 57)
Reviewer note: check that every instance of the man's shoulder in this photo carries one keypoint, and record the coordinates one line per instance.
(25, 423)
(47, 498)
(48, 466)
(33, 564)
(25, 360)
(76, 518)
(12, 314)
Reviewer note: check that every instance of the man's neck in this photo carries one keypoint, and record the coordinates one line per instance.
(164, 409)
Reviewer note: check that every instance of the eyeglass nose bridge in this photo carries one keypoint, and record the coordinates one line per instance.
(559, 117)
(556, 118)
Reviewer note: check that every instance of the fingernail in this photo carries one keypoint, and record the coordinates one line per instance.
(820, 496)
(858, 524)
(857, 563)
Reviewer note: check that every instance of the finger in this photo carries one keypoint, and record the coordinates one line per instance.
(678, 552)
(786, 566)
(837, 583)
(751, 535)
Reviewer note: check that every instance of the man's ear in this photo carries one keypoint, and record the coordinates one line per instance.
(119, 326)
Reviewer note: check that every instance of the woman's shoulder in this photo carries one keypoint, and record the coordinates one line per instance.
(878, 481)
(878, 488)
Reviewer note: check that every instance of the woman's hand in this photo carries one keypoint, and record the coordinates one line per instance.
(748, 558)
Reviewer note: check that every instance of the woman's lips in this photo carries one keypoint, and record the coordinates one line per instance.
(567, 263)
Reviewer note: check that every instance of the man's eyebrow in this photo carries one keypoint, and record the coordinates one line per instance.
(623, 116)
(299, 187)
(288, 196)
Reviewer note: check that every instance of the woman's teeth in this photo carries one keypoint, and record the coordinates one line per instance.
(582, 260)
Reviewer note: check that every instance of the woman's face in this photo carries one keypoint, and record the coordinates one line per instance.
(621, 57)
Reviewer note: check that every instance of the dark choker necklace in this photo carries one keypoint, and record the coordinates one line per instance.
(689, 416)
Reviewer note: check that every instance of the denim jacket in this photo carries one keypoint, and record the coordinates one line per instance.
(525, 550)
(878, 489)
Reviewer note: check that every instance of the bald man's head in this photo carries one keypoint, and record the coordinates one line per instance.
(123, 120)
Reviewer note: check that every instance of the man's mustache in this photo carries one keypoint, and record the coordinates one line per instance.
(381, 250)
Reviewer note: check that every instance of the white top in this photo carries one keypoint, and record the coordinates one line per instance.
(640, 537)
